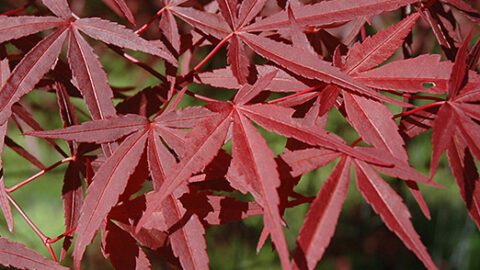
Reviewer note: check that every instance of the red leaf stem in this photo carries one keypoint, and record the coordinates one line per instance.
(40, 173)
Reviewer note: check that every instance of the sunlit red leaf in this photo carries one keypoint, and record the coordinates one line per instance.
(375, 50)
(391, 209)
(209, 23)
(17, 255)
(116, 34)
(30, 70)
(307, 65)
(250, 149)
(89, 77)
(59, 8)
(327, 12)
(17, 27)
(99, 131)
(108, 184)
(322, 217)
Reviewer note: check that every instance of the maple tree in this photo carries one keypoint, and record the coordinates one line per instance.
(147, 173)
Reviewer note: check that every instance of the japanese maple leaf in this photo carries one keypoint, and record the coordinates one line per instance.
(112, 177)
(87, 72)
(249, 149)
(455, 129)
(320, 223)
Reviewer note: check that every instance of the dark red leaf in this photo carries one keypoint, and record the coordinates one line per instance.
(443, 130)
(238, 59)
(465, 172)
(299, 39)
(283, 82)
(305, 160)
(229, 11)
(17, 255)
(4, 203)
(72, 196)
(122, 249)
(278, 119)
(248, 10)
(247, 92)
(228, 209)
(125, 10)
(374, 122)
(459, 75)
(170, 29)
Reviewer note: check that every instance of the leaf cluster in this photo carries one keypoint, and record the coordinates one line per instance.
(147, 174)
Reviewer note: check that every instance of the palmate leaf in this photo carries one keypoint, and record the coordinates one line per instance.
(322, 217)
(204, 141)
(17, 255)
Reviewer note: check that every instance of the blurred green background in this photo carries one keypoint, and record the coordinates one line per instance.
(361, 240)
